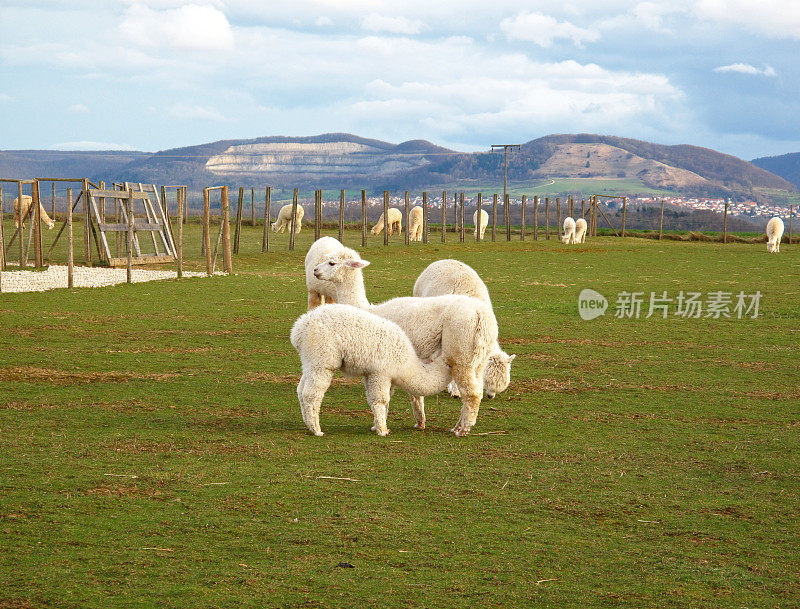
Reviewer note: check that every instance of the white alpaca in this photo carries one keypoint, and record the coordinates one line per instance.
(774, 235)
(285, 217)
(580, 230)
(340, 337)
(415, 223)
(484, 222)
(395, 218)
(27, 204)
(462, 328)
(569, 231)
(322, 292)
(454, 277)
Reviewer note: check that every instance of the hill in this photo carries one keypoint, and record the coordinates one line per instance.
(786, 166)
(343, 160)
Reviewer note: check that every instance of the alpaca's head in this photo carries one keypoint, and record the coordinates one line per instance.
(497, 376)
(334, 267)
(772, 246)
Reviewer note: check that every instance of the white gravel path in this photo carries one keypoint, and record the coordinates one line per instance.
(84, 277)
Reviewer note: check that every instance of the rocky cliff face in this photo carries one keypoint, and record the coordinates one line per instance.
(604, 161)
(323, 159)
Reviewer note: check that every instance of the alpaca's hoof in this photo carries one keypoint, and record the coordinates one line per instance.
(419, 425)
(383, 432)
(460, 431)
(319, 433)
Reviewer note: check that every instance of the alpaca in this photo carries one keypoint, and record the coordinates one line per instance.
(321, 292)
(580, 230)
(462, 328)
(569, 231)
(484, 222)
(454, 277)
(341, 337)
(774, 235)
(395, 218)
(415, 223)
(27, 204)
(285, 217)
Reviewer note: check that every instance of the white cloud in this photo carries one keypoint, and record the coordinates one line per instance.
(651, 14)
(746, 68)
(78, 109)
(771, 18)
(393, 25)
(190, 112)
(543, 30)
(323, 21)
(192, 27)
(5, 98)
(89, 145)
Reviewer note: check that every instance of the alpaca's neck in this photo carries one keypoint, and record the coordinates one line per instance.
(424, 379)
(351, 290)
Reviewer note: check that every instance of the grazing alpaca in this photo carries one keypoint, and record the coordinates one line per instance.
(27, 203)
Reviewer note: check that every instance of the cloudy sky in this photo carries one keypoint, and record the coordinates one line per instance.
(157, 74)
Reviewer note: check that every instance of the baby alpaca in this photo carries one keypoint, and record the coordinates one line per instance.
(484, 222)
(580, 230)
(415, 224)
(321, 292)
(27, 203)
(395, 218)
(774, 235)
(569, 231)
(341, 337)
(285, 217)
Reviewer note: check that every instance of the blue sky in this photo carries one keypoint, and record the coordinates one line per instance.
(157, 74)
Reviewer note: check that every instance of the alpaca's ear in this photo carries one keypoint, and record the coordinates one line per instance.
(511, 358)
(357, 264)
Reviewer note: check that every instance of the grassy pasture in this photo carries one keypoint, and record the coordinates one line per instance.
(152, 451)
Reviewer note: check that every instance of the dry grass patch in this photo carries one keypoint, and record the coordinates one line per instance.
(27, 374)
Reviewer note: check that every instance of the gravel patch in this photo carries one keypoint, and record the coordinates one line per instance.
(84, 277)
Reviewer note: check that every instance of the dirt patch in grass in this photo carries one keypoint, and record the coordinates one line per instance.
(48, 375)
(533, 340)
(16, 604)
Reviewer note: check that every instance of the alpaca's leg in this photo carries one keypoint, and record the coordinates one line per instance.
(378, 389)
(471, 389)
(310, 391)
(418, 408)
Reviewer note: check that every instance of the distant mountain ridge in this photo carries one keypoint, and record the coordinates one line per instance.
(344, 160)
(786, 166)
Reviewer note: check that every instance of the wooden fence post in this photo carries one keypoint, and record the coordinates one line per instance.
(444, 215)
(317, 214)
(227, 262)
(129, 262)
(522, 233)
(294, 216)
(507, 209)
(559, 227)
(363, 218)
(570, 203)
(386, 217)
(725, 223)
(341, 215)
(2, 235)
(179, 244)
(252, 206)
(53, 200)
(624, 210)
(791, 213)
(22, 256)
(265, 236)
(462, 218)
(70, 243)
(37, 224)
(479, 218)
(238, 226)
(455, 209)
(406, 218)
(207, 230)
(536, 217)
(661, 222)
(547, 218)
(425, 217)
(595, 215)
(583, 208)
(494, 216)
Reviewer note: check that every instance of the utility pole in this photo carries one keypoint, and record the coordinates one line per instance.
(505, 148)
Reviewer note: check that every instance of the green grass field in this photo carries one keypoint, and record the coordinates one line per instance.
(152, 452)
